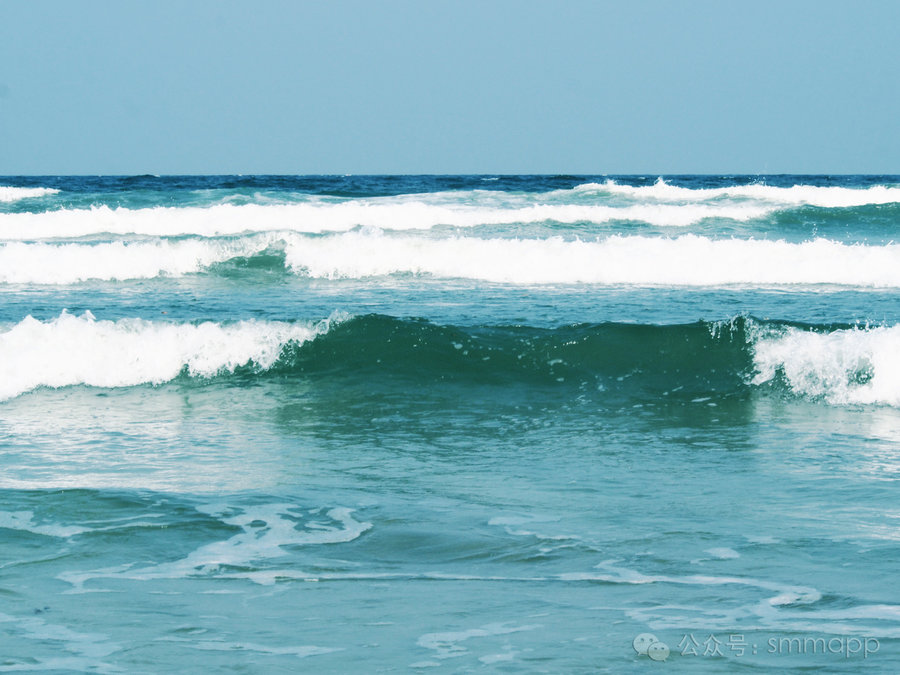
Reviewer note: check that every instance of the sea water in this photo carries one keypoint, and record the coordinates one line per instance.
(449, 424)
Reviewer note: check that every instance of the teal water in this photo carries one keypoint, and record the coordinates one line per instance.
(449, 424)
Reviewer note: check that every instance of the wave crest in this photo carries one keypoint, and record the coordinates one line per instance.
(848, 366)
(72, 350)
(14, 194)
(688, 260)
(318, 217)
(809, 195)
(60, 264)
(616, 362)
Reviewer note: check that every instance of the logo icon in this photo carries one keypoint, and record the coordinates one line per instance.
(648, 644)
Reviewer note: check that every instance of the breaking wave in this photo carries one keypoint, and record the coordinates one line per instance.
(315, 217)
(811, 195)
(72, 350)
(14, 194)
(703, 361)
(688, 260)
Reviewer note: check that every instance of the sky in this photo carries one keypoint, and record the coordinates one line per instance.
(461, 86)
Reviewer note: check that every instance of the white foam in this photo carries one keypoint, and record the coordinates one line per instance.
(510, 523)
(72, 350)
(688, 260)
(723, 553)
(88, 648)
(786, 593)
(265, 530)
(781, 611)
(24, 521)
(13, 194)
(300, 651)
(852, 366)
(813, 195)
(39, 263)
(384, 213)
(508, 655)
(446, 645)
(761, 539)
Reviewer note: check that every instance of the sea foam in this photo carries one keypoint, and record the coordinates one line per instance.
(13, 194)
(812, 195)
(383, 213)
(44, 263)
(689, 260)
(72, 350)
(852, 366)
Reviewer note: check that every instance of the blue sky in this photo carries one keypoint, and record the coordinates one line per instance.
(495, 86)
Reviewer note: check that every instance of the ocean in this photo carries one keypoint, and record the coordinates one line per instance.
(543, 424)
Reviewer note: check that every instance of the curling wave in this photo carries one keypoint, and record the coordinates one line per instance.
(848, 366)
(698, 362)
(72, 350)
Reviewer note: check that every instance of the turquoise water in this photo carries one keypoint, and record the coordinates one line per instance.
(449, 424)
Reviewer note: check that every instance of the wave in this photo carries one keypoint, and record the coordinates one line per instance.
(850, 366)
(317, 217)
(688, 260)
(218, 213)
(117, 261)
(811, 195)
(690, 363)
(72, 350)
(14, 194)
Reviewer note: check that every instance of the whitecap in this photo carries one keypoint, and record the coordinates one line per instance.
(82, 350)
(13, 194)
(849, 366)
(688, 260)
